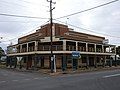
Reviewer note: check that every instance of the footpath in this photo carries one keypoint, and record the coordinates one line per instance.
(84, 70)
(60, 72)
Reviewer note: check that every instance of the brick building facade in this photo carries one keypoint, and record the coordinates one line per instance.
(35, 48)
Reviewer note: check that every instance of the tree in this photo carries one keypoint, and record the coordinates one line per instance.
(1, 52)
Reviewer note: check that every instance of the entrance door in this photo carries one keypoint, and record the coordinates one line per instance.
(29, 62)
(91, 61)
(42, 61)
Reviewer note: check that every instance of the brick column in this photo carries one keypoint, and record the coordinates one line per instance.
(95, 61)
(87, 63)
(104, 61)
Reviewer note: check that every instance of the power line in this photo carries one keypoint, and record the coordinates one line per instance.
(24, 34)
(13, 15)
(88, 9)
(87, 29)
(29, 2)
(20, 21)
(32, 3)
(13, 3)
(17, 4)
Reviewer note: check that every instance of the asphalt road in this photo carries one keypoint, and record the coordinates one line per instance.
(103, 80)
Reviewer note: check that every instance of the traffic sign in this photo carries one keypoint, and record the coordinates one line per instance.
(76, 54)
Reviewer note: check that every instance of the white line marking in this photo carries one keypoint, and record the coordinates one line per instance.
(26, 79)
(114, 75)
(36, 78)
(15, 80)
(2, 81)
(40, 78)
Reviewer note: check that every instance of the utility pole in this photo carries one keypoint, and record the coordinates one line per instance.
(51, 24)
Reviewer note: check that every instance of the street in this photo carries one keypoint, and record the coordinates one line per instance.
(103, 80)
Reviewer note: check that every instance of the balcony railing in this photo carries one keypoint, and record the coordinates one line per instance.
(81, 48)
(30, 49)
(99, 49)
(91, 49)
(70, 48)
(48, 47)
(24, 50)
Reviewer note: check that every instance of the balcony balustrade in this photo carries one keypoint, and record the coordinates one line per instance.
(83, 47)
(70, 48)
(48, 47)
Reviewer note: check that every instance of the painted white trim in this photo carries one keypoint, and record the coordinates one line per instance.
(58, 52)
(47, 39)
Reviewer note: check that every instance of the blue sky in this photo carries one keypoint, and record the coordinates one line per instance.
(103, 21)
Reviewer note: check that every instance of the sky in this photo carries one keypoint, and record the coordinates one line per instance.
(103, 21)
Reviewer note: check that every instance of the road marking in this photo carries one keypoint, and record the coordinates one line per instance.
(15, 80)
(36, 78)
(114, 75)
(26, 79)
(2, 81)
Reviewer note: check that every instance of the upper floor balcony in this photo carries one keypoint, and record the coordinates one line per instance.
(64, 45)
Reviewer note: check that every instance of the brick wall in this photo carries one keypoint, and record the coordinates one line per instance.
(63, 31)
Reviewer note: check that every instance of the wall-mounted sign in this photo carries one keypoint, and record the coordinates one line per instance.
(105, 41)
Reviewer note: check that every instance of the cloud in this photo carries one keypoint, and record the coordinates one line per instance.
(102, 20)
(116, 15)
